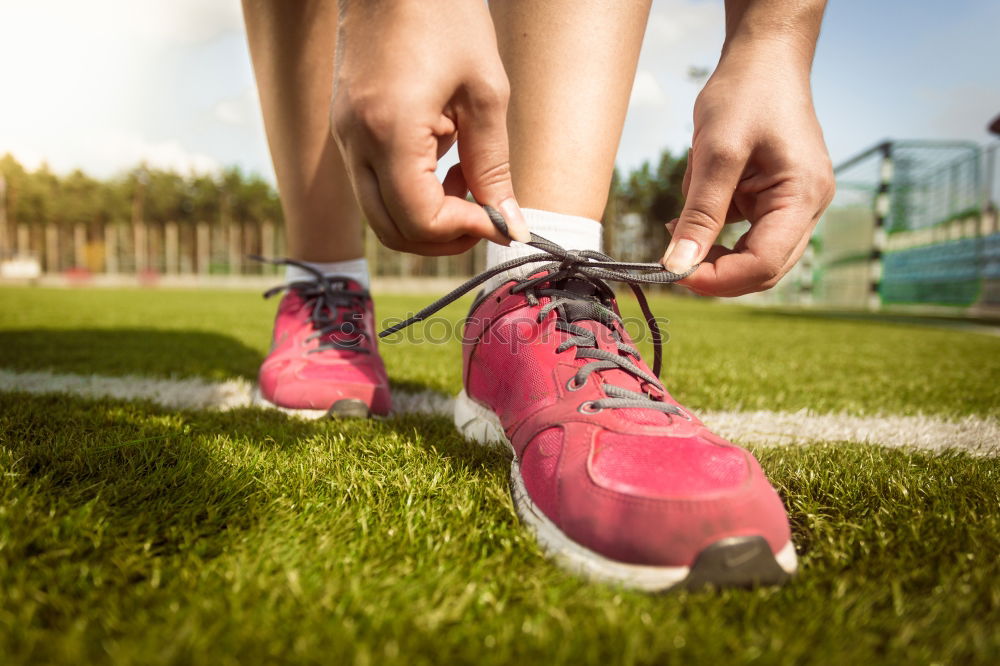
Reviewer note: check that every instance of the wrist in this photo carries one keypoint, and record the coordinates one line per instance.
(784, 31)
(765, 56)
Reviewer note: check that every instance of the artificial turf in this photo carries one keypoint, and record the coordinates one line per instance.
(134, 534)
(718, 356)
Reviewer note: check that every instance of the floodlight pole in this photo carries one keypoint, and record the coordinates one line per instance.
(3, 216)
(879, 232)
(991, 217)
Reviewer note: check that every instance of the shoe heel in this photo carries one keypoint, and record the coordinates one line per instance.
(477, 423)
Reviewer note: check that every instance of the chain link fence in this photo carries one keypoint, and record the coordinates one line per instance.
(913, 226)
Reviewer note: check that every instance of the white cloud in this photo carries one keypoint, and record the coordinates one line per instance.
(242, 111)
(129, 149)
(183, 21)
(680, 34)
(685, 23)
(101, 84)
(646, 91)
(79, 75)
(98, 22)
(108, 151)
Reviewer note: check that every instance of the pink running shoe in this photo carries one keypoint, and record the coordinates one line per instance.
(614, 477)
(323, 354)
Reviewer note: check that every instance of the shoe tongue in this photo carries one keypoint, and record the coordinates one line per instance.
(585, 308)
(578, 286)
(592, 316)
(336, 311)
(589, 313)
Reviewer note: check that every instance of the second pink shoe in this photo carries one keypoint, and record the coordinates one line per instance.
(324, 354)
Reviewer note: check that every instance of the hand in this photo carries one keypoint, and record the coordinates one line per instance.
(757, 155)
(412, 77)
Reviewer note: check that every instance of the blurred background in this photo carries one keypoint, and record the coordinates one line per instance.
(132, 151)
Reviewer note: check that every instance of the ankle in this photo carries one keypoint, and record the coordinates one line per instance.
(355, 269)
(569, 231)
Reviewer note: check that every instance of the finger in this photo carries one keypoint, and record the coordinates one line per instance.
(686, 181)
(370, 198)
(761, 257)
(370, 201)
(796, 254)
(718, 251)
(485, 156)
(454, 182)
(445, 142)
(733, 215)
(714, 176)
(416, 201)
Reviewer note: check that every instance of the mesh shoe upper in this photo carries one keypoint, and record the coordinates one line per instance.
(324, 348)
(604, 451)
(639, 485)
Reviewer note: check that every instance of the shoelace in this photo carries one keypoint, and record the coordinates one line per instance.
(335, 308)
(577, 270)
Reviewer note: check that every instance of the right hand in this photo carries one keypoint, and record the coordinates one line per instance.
(412, 77)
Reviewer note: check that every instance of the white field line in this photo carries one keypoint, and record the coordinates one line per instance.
(970, 433)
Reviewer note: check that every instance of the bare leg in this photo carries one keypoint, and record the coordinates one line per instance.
(292, 45)
(571, 64)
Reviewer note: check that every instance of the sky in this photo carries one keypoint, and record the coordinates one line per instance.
(104, 84)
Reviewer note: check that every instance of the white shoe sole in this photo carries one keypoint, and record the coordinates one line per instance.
(738, 561)
(349, 408)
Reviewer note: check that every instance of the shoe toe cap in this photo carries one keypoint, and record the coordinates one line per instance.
(305, 384)
(667, 467)
(653, 500)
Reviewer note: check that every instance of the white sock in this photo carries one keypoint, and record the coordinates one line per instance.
(356, 269)
(570, 231)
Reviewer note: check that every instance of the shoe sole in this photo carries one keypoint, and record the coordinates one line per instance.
(349, 408)
(744, 561)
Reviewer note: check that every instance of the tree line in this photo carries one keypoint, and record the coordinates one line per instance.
(40, 197)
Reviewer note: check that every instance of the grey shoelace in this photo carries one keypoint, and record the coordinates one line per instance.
(574, 281)
(336, 310)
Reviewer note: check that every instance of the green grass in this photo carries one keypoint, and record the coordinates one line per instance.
(718, 356)
(134, 534)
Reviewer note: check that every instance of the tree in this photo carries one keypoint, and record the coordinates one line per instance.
(204, 199)
(656, 196)
(14, 176)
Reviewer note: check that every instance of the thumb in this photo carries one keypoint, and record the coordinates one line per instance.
(713, 180)
(485, 159)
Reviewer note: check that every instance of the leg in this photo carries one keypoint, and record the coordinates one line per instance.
(292, 46)
(571, 66)
(324, 355)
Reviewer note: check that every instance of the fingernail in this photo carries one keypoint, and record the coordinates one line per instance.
(516, 224)
(682, 257)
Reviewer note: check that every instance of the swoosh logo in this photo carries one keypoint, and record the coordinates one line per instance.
(738, 559)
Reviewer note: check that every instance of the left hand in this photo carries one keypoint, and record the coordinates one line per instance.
(758, 155)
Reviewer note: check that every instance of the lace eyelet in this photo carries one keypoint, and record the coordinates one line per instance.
(573, 385)
(589, 408)
(504, 294)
